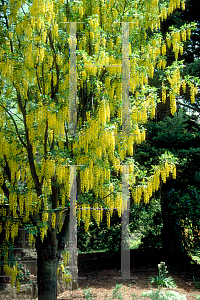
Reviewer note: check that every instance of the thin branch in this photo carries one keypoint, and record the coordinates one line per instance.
(56, 65)
(7, 26)
(19, 42)
(190, 107)
(18, 134)
(17, 116)
(43, 78)
(23, 10)
(45, 140)
(19, 100)
(54, 190)
(125, 2)
(52, 144)
(29, 149)
(38, 79)
(7, 169)
(63, 236)
(5, 190)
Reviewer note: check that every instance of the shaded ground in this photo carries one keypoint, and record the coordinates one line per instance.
(100, 269)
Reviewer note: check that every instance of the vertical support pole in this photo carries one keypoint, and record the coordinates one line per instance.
(125, 243)
(125, 262)
(72, 131)
(73, 250)
(125, 80)
(72, 81)
(73, 229)
(125, 254)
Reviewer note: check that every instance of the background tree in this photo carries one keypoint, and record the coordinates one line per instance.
(36, 148)
(179, 136)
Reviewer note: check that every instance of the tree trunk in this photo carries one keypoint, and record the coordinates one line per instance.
(172, 240)
(48, 257)
(47, 279)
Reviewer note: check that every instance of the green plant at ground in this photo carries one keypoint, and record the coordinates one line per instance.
(116, 294)
(197, 297)
(159, 295)
(23, 273)
(87, 294)
(197, 283)
(195, 255)
(162, 279)
(134, 297)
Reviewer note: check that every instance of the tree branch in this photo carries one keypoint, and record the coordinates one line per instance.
(7, 26)
(63, 236)
(7, 169)
(23, 10)
(43, 78)
(54, 190)
(54, 92)
(29, 148)
(5, 190)
(196, 108)
(45, 140)
(18, 134)
(38, 77)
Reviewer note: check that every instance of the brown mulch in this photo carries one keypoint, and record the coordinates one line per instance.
(99, 271)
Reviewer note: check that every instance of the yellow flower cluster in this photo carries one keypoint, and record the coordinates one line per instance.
(193, 92)
(53, 220)
(47, 168)
(14, 231)
(66, 277)
(30, 237)
(8, 229)
(163, 93)
(153, 182)
(11, 271)
(175, 83)
(65, 257)
(108, 218)
(99, 140)
(86, 215)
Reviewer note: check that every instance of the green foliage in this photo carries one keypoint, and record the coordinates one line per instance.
(147, 220)
(179, 136)
(159, 295)
(115, 293)
(87, 294)
(100, 239)
(184, 205)
(22, 274)
(197, 283)
(162, 279)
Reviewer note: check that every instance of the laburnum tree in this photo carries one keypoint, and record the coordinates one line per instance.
(36, 149)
